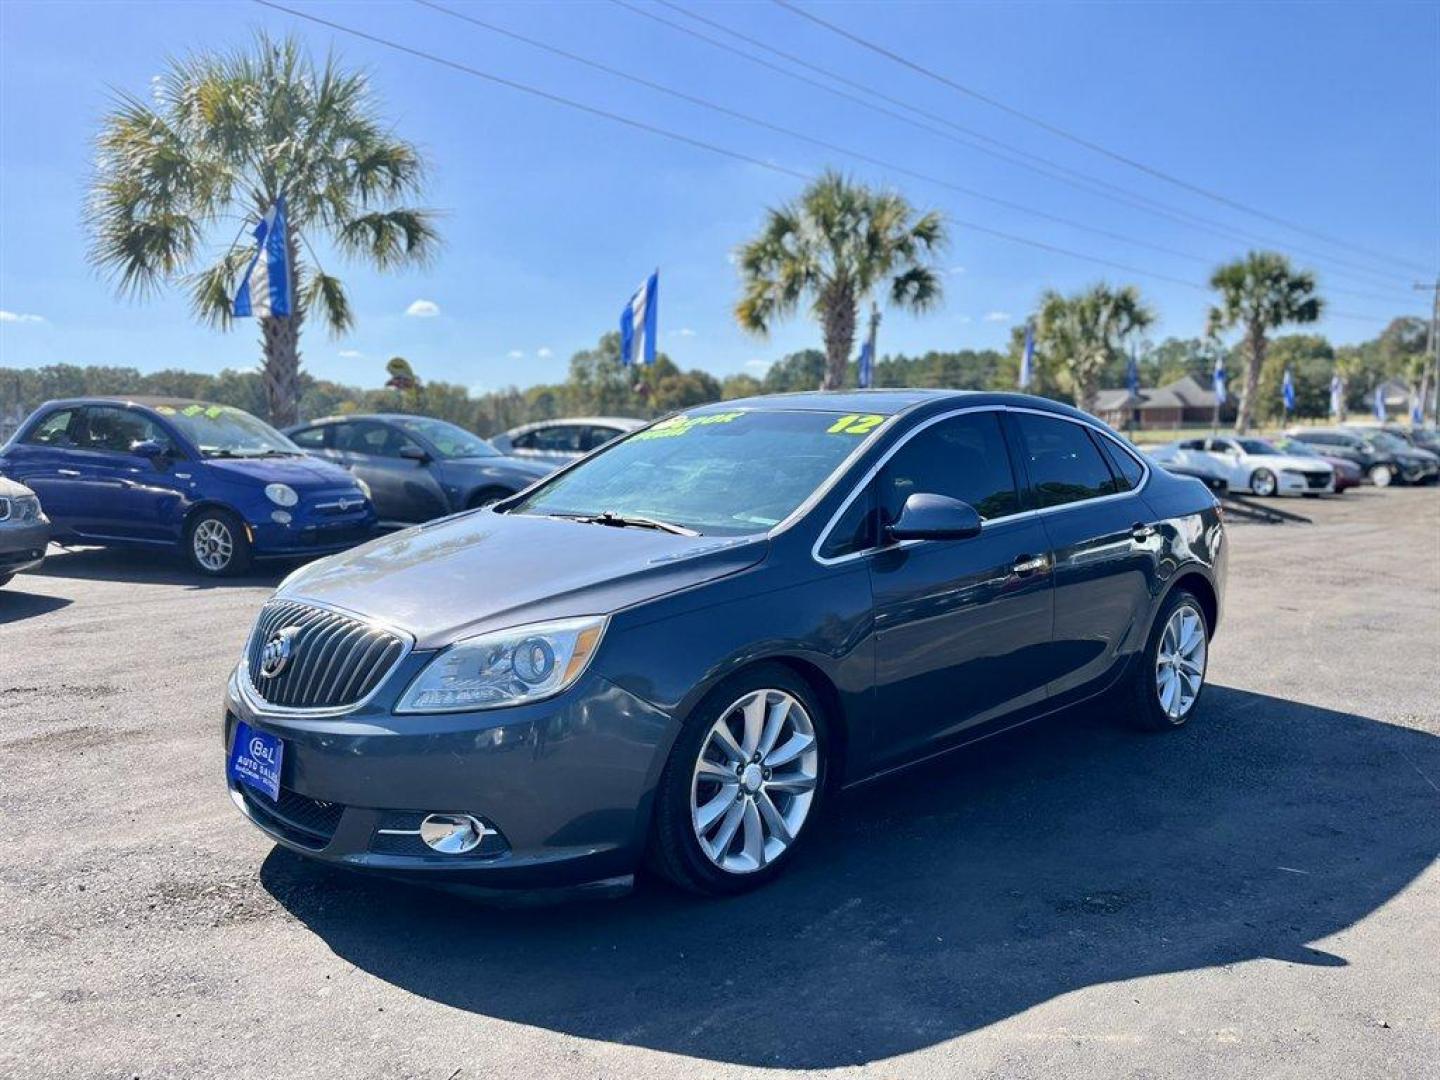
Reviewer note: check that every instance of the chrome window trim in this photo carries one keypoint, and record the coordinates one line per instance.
(251, 697)
(1023, 515)
(4, 508)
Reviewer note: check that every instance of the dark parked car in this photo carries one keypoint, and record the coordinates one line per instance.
(209, 480)
(1347, 473)
(561, 441)
(24, 530)
(417, 468)
(1382, 460)
(676, 651)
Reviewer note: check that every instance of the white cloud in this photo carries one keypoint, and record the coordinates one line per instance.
(423, 309)
(544, 352)
(997, 316)
(17, 317)
(685, 331)
(515, 354)
(351, 354)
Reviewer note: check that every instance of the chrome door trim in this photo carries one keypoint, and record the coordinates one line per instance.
(1022, 515)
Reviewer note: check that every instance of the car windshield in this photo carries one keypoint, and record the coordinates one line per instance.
(223, 431)
(449, 440)
(1256, 446)
(721, 473)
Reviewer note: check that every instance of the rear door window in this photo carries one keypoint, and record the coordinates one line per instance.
(1127, 468)
(1065, 465)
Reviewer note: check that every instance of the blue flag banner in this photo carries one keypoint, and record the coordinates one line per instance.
(1417, 410)
(637, 323)
(1287, 392)
(1380, 403)
(266, 287)
(1337, 394)
(1220, 395)
(1132, 375)
(867, 365)
(1027, 357)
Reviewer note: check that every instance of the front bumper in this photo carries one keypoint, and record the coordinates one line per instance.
(566, 784)
(1413, 473)
(1294, 483)
(22, 546)
(318, 536)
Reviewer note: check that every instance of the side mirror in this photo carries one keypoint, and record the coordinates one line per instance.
(934, 517)
(149, 448)
(415, 454)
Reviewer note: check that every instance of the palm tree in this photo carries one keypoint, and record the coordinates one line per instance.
(835, 245)
(1084, 334)
(1260, 292)
(223, 138)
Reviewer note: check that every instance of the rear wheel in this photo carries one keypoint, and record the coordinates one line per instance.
(1381, 475)
(745, 781)
(1166, 686)
(216, 544)
(1262, 483)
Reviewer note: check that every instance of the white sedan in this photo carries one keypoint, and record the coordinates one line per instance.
(1252, 465)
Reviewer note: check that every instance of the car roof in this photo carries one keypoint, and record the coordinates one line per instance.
(149, 401)
(626, 423)
(890, 402)
(384, 417)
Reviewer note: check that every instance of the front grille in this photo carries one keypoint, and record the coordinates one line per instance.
(1317, 479)
(300, 819)
(336, 660)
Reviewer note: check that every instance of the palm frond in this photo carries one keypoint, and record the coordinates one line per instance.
(212, 290)
(389, 238)
(324, 296)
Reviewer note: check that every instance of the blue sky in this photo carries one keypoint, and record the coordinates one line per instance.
(1323, 114)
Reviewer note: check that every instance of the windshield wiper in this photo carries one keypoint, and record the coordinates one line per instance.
(620, 521)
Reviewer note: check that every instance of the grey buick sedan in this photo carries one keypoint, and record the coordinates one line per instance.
(672, 653)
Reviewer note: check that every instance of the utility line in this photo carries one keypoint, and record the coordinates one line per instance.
(708, 146)
(1079, 140)
(1003, 151)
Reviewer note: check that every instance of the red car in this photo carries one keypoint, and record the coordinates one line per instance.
(1347, 473)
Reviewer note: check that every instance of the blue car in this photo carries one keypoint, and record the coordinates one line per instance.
(209, 480)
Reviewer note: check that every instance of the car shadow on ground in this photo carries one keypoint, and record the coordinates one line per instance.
(1061, 856)
(142, 566)
(17, 604)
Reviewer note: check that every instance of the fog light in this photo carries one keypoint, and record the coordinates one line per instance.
(280, 517)
(453, 834)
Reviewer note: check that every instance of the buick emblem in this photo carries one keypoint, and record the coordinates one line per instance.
(276, 653)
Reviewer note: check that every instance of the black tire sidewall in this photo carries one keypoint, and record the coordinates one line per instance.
(1148, 713)
(674, 849)
(240, 544)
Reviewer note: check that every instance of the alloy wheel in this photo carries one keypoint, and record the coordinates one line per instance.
(1180, 662)
(1380, 476)
(754, 781)
(214, 546)
(1263, 483)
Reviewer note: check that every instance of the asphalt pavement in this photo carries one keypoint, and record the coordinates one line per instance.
(1257, 895)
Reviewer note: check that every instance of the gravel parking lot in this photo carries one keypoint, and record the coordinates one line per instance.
(1257, 895)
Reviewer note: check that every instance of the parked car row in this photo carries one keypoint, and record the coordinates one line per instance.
(224, 489)
(1307, 461)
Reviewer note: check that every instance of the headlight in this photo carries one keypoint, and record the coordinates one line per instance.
(508, 667)
(364, 488)
(281, 494)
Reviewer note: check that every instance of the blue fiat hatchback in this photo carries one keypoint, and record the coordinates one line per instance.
(209, 480)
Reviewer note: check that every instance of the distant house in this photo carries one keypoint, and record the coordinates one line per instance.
(1182, 403)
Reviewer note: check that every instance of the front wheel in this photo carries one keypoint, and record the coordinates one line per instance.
(1263, 483)
(1381, 475)
(216, 544)
(1166, 687)
(744, 782)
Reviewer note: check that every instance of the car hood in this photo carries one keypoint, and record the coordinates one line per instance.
(13, 489)
(301, 473)
(1287, 461)
(528, 466)
(479, 571)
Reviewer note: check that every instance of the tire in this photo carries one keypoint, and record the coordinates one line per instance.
(675, 849)
(216, 544)
(1264, 484)
(1381, 475)
(487, 497)
(1148, 708)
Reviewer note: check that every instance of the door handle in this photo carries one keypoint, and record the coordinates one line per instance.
(1027, 564)
(1141, 531)
(68, 472)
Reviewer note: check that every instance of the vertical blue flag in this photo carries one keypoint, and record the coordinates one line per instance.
(867, 364)
(1027, 357)
(1417, 409)
(265, 288)
(1337, 394)
(1287, 392)
(1220, 394)
(1380, 403)
(637, 323)
(1132, 374)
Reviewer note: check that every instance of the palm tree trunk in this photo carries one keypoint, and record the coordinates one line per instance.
(280, 339)
(1255, 360)
(840, 316)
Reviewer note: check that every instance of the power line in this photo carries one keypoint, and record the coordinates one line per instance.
(702, 144)
(1079, 140)
(997, 149)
